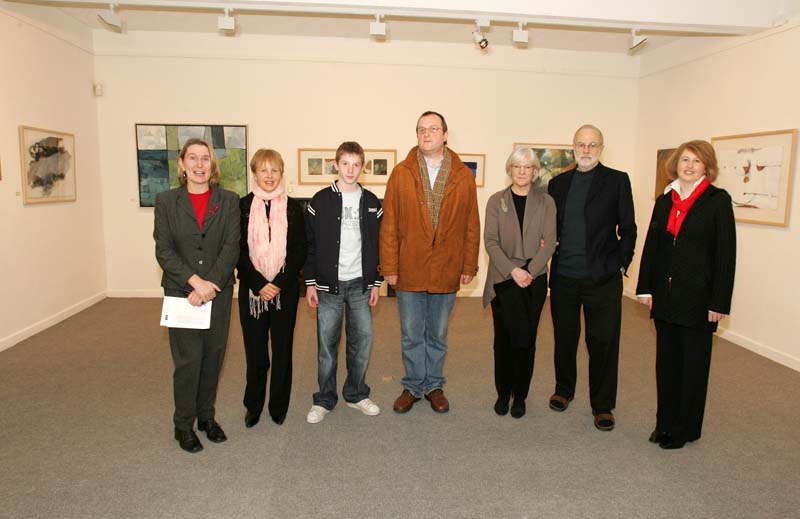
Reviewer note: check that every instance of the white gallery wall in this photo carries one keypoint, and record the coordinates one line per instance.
(318, 92)
(53, 259)
(729, 87)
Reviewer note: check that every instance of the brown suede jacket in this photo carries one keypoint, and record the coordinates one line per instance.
(408, 247)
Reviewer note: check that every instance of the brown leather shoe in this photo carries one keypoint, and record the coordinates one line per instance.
(559, 403)
(438, 401)
(604, 421)
(405, 402)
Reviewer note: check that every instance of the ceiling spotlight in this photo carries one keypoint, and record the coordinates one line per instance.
(637, 42)
(377, 28)
(110, 17)
(520, 35)
(226, 23)
(478, 37)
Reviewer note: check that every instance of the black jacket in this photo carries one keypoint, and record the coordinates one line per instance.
(610, 221)
(692, 273)
(323, 232)
(287, 278)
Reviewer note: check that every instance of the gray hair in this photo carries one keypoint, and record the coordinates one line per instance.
(588, 127)
(520, 155)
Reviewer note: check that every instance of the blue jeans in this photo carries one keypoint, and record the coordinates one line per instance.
(423, 324)
(358, 313)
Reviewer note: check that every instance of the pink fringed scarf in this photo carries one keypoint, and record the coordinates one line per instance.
(266, 239)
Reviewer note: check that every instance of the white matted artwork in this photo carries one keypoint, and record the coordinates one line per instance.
(315, 166)
(47, 158)
(477, 163)
(756, 169)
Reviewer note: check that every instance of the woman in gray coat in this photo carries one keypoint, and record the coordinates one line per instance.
(520, 237)
(197, 246)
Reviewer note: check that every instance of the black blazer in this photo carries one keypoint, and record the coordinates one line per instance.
(610, 221)
(251, 278)
(692, 273)
(183, 249)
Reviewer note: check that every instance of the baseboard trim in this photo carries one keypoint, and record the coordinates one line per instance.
(39, 326)
(760, 349)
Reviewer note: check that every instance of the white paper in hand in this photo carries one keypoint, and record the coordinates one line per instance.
(177, 312)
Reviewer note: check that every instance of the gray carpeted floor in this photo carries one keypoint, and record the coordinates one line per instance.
(87, 432)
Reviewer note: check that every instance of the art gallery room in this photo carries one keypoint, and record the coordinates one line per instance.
(111, 91)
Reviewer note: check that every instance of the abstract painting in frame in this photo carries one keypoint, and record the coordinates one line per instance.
(756, 169)
(315, 166)
(662, 179)
(158, 145)
(554, 160)
(48, 166)
(477, 163)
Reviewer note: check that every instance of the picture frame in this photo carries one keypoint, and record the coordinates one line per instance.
(315, 166)
(662, 179)
(48, 165)
(757, 170)
(553, 158)
(158, 146)
(477, 163)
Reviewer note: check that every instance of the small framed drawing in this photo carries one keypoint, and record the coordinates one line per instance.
(315, 166)
(553, 158)
(477, 163)
(48, 166)
(756, 169)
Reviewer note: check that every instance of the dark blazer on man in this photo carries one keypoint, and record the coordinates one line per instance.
(692, 273)
(183, 249)
(610, 221)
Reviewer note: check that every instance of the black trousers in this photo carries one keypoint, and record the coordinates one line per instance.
(602, 312)
(198, 356)
(513, 367)
(279, 325)
(683, 361)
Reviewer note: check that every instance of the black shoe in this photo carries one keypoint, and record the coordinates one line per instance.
(657, 436)
(213, 431)
(250, 419)
(279, 418)
(671, 443)
(501, 405)
(188, 440)
(518, 408)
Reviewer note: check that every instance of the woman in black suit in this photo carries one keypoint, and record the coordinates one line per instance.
(197, 245)
(520, 237)
(686, 279)
(272, 252)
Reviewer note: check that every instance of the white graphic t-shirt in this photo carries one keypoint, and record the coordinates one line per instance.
(350, 242)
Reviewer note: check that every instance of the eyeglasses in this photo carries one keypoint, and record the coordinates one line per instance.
(526, 167)
(433, 130)
(590, 146)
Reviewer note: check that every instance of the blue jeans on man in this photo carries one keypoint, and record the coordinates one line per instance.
(352, 303)
(423, 325)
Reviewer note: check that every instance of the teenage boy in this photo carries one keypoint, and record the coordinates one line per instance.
(341, 272)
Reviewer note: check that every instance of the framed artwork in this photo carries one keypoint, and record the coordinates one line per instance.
(554, 159)
(48, 166)
(662, 180)
(477, 163)
(315, 166)
(756, 169)
(158, 145)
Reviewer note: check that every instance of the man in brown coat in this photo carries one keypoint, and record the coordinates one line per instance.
(428, 247)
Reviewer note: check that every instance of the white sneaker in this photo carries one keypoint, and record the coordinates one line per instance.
(316, 414)
(366, 406)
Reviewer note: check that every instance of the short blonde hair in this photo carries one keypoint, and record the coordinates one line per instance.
(703, 150)
(214, 178)
(522, 154)
(263, 156)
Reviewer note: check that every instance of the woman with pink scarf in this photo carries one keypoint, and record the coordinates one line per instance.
(273, 250)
